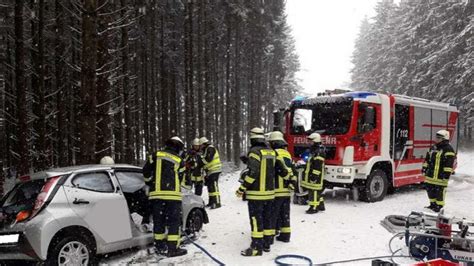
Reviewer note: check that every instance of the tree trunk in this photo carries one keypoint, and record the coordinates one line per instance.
(22, 113)
(104, 132)
(229, 112)
(38, 88)
(62, 128)
(87, 116)
(237, 98)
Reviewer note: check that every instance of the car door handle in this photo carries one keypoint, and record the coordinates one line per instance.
(80, 201)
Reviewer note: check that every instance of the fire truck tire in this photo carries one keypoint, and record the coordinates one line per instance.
(375, 187)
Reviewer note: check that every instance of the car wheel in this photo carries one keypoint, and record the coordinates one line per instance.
(195, 221)
(70, 250)
(375, 187)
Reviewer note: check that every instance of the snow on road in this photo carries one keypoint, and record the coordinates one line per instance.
(347, 229)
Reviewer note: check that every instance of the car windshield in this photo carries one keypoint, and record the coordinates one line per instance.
(331, 118)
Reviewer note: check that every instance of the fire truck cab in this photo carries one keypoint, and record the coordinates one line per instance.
(374, 142)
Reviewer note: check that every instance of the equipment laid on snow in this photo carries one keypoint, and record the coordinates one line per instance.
(431, 236)
(374, 142)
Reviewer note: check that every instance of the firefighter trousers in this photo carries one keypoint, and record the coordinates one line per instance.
(436, 195)
(315, 197)
(261, 222)
(198, 187)
(281, 212)
(166, 215)
(212, 181)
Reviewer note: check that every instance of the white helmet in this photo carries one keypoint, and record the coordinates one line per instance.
(443, 134)
(257, 133)
(315, 137)
(203, 140)
(107, 160)
(196, 142)
(175, 138)
(275, 136)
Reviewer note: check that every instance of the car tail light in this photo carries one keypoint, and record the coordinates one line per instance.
(44, 195)
(25, 178)
(23, 215)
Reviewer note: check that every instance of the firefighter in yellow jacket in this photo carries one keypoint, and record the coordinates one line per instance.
(283, 185)
(314, 175)
(212, 165)
(259, 189)
(194, 175)
(437, 169)
(163, 173)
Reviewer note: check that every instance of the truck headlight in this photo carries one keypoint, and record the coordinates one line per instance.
(344, 170)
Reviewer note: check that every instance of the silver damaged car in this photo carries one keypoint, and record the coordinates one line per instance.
(66, 216)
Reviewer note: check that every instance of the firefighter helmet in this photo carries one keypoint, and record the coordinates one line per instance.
(257, 133)
(107, 160)
(203, 140)
(443, 134)
(196, 142)
(175, 142)
(315, 137)
(276, 136)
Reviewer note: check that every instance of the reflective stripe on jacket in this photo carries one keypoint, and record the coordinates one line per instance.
(163, 173)
(438, 164)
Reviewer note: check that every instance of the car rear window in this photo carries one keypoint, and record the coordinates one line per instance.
(23, 195)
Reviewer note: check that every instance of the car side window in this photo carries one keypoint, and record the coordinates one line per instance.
(130, 181)
(98, 181)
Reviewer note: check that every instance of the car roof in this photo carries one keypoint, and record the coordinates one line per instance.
(77, 168)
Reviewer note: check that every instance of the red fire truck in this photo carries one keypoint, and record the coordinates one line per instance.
(374, 142)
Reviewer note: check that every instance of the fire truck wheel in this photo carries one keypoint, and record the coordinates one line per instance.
(375, 187)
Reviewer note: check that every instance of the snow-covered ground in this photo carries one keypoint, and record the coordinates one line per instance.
(347, 229)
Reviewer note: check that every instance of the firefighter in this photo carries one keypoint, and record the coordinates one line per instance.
(194, 167)
(283, 185)
(259, 189)
(314, 175)
(212, 165)
(437, 168)
(163, 173)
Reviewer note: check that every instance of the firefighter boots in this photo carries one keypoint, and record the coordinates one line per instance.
(176, 252)
(321, 206)
(312, 210)
(250, 252)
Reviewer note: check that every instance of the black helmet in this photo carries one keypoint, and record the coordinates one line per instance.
(175, 142)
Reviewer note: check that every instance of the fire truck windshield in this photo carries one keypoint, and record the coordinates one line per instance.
(329, 118)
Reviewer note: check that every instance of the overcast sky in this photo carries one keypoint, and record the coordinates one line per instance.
(325, 31)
